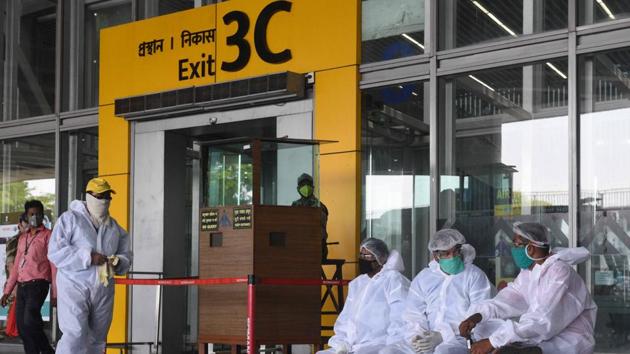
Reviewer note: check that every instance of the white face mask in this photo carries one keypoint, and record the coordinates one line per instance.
(98, 208)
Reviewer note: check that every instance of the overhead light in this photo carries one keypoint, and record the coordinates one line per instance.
(554, 68)
(412, 40)
(400, 87)
(482, 83)
(495, 19)
(414, 93)
(603, 5)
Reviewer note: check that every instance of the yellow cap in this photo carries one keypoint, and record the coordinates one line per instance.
(98, 185)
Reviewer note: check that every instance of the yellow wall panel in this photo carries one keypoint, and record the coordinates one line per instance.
(323, 37)
(322, 34)
(113, 142)
(125, 73)
(337, 109)
(119, 210)
(340, 188)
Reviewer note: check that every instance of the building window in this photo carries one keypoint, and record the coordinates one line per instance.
(391, 29)
(467, 22)
(170, 6)
(597, 11)
(503, 157)
(97, 17)
(28, 172)
(79, 164)
(604, 210)
(395, 164)
(28, 58)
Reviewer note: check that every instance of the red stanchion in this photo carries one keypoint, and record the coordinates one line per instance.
(251, 314)
(251, 282)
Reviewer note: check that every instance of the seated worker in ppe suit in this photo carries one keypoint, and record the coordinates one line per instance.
(557, 314)
(374, 303)
(87, 247)
(439, 298)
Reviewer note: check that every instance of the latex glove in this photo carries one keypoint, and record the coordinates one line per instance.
(415, 343)
(429, 341)
(106, 270)
(342, 349)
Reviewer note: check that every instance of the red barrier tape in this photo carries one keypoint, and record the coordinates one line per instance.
(225, 281)
(285, 281)
(181, 282)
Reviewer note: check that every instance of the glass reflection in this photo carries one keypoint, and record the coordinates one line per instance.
(97, 17)
(504, 158)
(395, 162)
(605, 192)
(467, 22)
(28, 58)
(597, 11)
(28, 172)
(391, 29)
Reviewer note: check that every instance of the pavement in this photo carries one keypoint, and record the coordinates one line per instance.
(11, 346)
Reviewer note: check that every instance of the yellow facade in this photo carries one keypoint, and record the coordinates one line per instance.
(322, 36)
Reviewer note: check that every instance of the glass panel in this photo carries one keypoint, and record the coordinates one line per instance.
(228, 178)
(170, 6)
(79, 165)
(228, 175)
(605, 191)
(596, 11)
(27, 172)
(395, 163)
(28, 58)
(97, 17)
(504, 158)
(466, 22)
(282, 164)
(391, 29)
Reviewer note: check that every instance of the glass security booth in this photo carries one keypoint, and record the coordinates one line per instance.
(248, 226)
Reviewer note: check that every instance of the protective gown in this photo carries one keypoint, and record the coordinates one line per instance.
(556, 310)
(439, 302)
(371, 314)
(84, 304)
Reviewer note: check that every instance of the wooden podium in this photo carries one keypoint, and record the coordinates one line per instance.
(267, 241)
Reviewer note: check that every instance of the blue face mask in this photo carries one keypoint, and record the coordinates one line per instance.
(519, 254)
(452, 265)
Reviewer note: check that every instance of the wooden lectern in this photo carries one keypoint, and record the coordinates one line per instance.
(248, 227)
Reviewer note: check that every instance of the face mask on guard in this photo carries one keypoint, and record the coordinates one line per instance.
(305, 191)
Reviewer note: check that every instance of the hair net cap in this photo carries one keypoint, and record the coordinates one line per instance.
(532, 231)
(376, 247)
(446, 239)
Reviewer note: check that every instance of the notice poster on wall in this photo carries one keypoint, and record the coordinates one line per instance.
(6, 232)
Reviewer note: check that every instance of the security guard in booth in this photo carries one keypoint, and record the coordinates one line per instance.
(305, 188)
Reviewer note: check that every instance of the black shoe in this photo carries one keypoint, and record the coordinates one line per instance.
(511, 349)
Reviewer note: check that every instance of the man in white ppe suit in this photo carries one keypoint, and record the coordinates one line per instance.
(557, 313)
(374, 303)
(440, 296)
(87, 246)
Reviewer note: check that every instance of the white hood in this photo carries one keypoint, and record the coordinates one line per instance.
(571, 256)
(80, 207)
(468, 253)
(394, 262)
